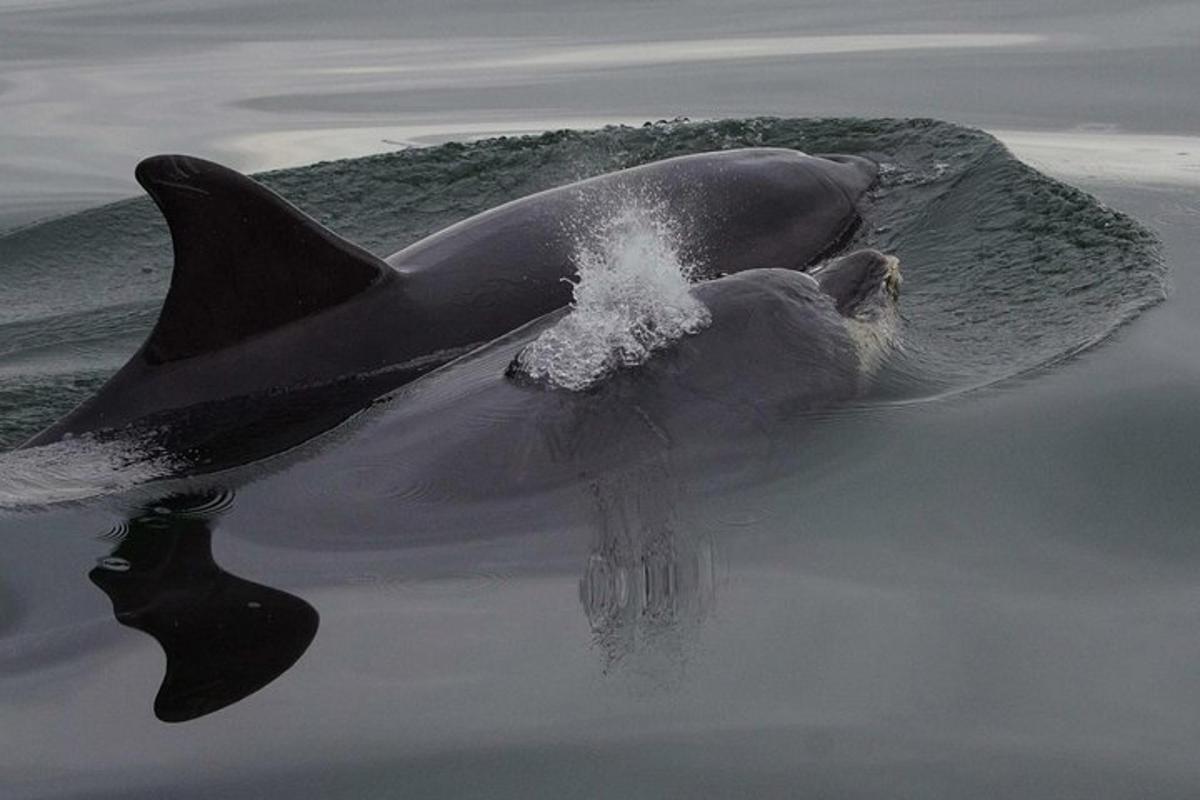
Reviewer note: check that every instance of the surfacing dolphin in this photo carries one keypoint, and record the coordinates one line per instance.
(469, 447)
(264, 300)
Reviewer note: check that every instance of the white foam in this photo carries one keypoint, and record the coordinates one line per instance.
(876, 335)
(874, 339)
(74, 469)
(631, 298)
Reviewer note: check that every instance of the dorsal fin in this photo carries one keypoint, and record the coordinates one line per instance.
(246, 260)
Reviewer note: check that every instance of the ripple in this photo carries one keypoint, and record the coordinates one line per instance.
(76, 469)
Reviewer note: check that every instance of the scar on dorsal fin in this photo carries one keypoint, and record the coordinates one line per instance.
(246, 260)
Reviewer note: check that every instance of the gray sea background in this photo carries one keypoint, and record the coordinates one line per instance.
(993, 595)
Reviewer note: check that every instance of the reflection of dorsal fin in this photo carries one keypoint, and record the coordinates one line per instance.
(246, 261)
(224, 637)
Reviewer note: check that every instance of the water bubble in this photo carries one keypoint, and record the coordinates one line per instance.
(631, 298)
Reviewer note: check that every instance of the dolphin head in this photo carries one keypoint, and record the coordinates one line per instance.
(862, 284)
(856, 174)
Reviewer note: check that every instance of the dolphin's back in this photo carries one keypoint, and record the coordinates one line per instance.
(732, 210)
(776, 350)
(246, 261)
(264, 299)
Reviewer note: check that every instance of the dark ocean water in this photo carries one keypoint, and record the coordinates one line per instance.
(982, 581)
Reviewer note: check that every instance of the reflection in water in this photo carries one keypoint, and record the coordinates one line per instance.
(648, 585)
(224, 637)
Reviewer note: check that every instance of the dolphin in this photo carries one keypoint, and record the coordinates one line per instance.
(264, 302)
(780, 342)
(477, 434)
(480, 439)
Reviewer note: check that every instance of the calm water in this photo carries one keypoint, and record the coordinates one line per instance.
(948, 593)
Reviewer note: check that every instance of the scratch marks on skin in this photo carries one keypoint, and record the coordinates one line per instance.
(654, 427)
(183, 187)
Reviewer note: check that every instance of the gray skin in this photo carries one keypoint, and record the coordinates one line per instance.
(472, 441)
(263, 298)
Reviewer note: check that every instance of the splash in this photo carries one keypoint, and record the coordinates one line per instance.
(631, 298)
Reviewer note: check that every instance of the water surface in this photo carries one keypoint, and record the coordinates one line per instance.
(989, 592)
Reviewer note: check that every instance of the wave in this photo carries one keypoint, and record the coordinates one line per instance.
(1006, 270)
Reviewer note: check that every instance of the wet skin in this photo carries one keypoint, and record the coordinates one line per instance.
(265, 300)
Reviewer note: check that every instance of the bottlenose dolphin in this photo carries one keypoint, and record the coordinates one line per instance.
(475, 434)
(264, 300)
(480, 439)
